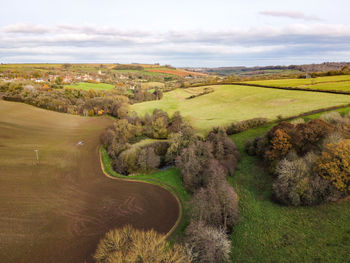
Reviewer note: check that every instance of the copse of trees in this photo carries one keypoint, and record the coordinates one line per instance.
(196, 156)
(204, 165)
(120, 140)
(310, 161)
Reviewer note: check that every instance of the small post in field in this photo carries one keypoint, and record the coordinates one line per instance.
(37, 155)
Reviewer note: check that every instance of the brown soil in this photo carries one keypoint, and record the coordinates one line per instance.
(57, 210)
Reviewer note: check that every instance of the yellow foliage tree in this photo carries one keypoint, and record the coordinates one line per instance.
(129, 245)
(334, 165)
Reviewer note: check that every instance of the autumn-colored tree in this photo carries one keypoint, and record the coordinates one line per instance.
(159, 126)
(280, 144)
(334, 165)
(129, 245)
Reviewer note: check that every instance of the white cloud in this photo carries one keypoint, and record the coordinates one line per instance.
(26, 29)
(290, 14)
(91, 43)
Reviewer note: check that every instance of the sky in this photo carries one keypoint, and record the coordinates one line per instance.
(182, 33)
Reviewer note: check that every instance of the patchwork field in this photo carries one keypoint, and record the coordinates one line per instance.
(174, 71)
(57, 210)
(341, 82)
(94, 86)
(232, 103)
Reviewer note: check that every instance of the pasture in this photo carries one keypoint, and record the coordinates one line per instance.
(88, 86)
(341, 82)
(231, 103)
(57, 209)
(270, 232)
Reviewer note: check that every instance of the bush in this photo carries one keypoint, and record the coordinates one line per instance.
(332, 117)
(208, 244)
(334, 165)
(297, 121)
(128, 245)
(241, 126)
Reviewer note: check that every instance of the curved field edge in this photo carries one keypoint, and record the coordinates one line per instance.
(168, 179)
(269, 232)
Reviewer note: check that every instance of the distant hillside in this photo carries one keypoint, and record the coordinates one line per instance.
(271, 70)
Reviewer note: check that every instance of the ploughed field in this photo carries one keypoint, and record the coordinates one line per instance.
(57, 210)
(232, 103)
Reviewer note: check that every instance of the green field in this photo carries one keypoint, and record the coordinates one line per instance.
(233, 103)
(341, 82)
(269, 232)
(94, 86)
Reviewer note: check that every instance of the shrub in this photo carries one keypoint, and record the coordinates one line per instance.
(332, 138)
(332, 117)
(334, 165)
(297, 121)
(208, 244)
(128, 245)
(241, 126)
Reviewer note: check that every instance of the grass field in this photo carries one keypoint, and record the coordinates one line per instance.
(88, 86)
(232, 103)
(150, 85)
(341, 82)
(57, 210)
(269, 232)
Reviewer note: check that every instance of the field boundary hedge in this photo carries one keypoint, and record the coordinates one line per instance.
(110, 173)
(272, 87)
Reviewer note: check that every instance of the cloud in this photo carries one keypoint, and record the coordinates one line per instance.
(290, 14)
(25, 29)
(237, 46)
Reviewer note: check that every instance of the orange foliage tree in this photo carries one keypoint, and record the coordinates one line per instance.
(334, 165)
(280, 145)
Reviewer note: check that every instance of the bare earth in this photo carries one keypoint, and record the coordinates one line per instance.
(57, 210)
